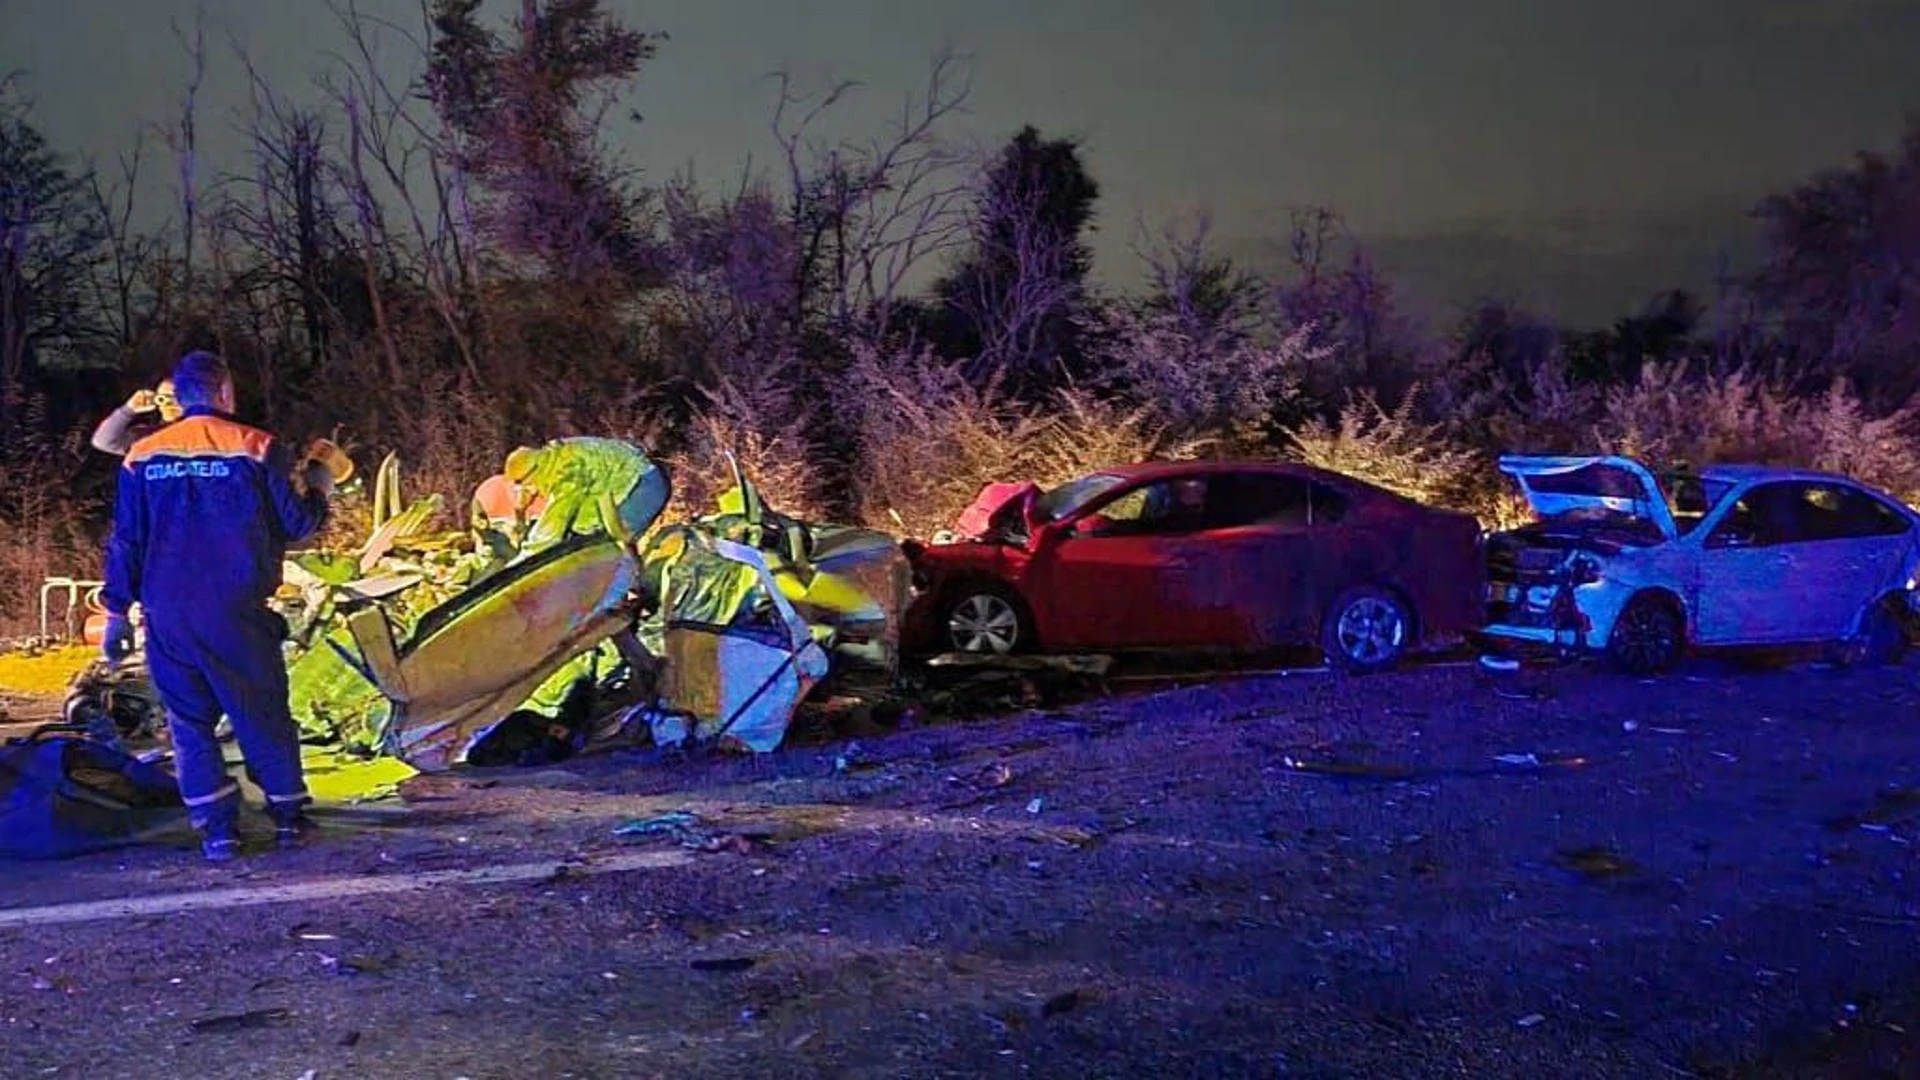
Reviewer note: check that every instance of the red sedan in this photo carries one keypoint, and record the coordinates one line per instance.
(1205, 556)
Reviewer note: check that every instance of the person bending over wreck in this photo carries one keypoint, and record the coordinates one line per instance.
(129, 423)
(205, 510)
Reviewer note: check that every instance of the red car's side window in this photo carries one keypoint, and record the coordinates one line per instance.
(1272, 500)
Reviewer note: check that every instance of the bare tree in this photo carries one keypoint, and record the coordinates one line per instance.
(373, 235)
(1013, 309)
(50, 238)
(284, 209)
(129, 253)
(183, 138)
(869, 215)
(730, 273)
(1350, 308)
(392, 149)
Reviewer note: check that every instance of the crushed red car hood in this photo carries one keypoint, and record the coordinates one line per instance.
(995, 504)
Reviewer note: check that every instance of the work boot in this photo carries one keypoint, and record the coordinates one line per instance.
(291, 825)
(219, 849)
(220, 834)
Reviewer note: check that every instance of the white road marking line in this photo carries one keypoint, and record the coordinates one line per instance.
(332, 888)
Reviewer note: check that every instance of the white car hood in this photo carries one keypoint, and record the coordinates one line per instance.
(1616, 484)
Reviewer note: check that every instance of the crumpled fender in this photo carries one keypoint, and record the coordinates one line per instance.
(978, 520)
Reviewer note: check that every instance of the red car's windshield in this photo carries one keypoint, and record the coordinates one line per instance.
(1069, 497)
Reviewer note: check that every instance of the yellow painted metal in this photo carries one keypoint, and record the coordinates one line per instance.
(456, 679)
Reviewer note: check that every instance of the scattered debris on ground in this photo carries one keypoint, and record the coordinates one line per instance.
(1134, 880)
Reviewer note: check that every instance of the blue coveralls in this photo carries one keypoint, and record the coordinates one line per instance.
(201, 522)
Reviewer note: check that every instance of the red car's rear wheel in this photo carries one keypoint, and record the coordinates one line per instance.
(1367, 629)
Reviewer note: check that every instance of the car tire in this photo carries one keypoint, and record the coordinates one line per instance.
(985, 619)
(1883, 637)
(1648, 639)
(1367, 630)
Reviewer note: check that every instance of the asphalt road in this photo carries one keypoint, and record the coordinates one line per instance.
(1438, 873)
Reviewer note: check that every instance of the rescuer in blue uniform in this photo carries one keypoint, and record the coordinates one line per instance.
(205, 510)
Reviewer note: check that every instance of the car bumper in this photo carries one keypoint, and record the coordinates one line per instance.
(1547, 616)
(920, 630)
(1509, 640)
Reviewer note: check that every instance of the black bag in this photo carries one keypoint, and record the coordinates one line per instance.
(63, 794)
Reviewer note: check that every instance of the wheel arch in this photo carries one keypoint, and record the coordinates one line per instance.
(973, 581)
(1392, 591)
(1416, 620)
(1895, 602)
(1416, 624)
(1661, 594)
(1665, 599)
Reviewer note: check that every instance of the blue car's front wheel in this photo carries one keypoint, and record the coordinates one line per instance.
(1649, 638)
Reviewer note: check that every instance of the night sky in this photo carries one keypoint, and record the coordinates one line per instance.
(1575, 154)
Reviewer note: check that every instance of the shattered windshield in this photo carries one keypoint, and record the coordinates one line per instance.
(1060, 502)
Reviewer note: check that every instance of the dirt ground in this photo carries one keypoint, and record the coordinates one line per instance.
(1291, 876)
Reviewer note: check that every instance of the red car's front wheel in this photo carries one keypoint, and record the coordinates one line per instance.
(983, 619)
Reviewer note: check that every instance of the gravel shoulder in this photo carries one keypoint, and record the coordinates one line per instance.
(1437, 873)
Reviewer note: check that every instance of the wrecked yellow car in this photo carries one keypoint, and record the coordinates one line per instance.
(509, 640)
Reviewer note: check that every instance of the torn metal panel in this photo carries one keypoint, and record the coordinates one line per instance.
(739, 656)
(476, 659)
(1554, 486)
(853, 581)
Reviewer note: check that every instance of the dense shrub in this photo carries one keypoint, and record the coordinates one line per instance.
(1675, 416)
(929, 439)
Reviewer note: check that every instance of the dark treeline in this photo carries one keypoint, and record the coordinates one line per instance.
(451, 265)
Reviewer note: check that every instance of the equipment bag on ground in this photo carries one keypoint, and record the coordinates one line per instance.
(63, 794)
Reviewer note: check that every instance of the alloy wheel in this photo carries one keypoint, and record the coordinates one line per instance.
(984, 623)
(1646, 640)
(1370, 631)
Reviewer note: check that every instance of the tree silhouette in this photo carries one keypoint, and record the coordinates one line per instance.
(52, 237)
(527, 113)
(1014, 296)
(1842, 280)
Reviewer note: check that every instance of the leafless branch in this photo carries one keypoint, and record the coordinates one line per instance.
(868, 216)
(1023, 279)
(184, 139)
(390, 141)
(127, 250)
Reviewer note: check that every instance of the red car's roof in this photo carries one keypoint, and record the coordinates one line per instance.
(1155, 470)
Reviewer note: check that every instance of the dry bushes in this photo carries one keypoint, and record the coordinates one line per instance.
(928, 439)
(1202, 382)
(1394, 449)
(903, 441)
(1674, 416)
(46, 527)
(461, 439)
(1534, 408)
(765, 420)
